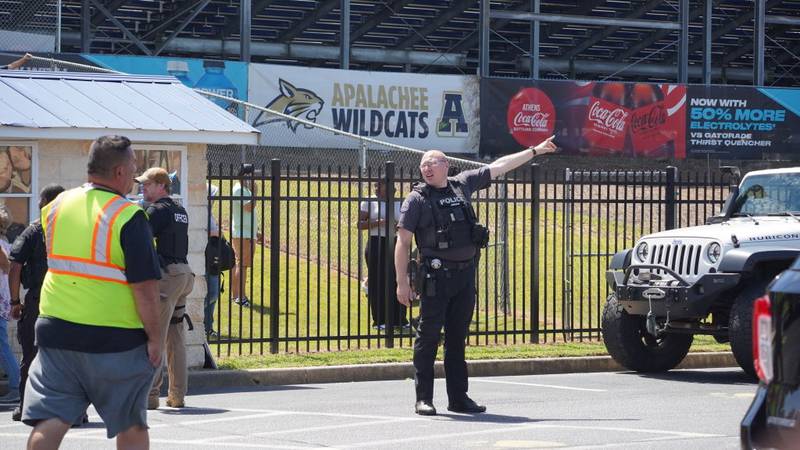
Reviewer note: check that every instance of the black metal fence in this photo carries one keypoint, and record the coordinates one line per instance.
(542, 279)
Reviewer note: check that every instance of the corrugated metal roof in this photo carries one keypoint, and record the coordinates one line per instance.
(65, 105)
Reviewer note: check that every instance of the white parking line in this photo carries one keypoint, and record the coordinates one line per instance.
(154, 426)
(429, 437)
(70, 437)
(301, 430)
(551, 386)
(323, 414)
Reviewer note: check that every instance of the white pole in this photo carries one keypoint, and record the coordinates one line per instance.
(58, 27)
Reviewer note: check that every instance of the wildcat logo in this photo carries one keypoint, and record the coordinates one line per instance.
(292, 101)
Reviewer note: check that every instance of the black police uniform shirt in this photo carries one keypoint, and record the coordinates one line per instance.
(29, 251)
(170, 225)
(141, 264)
(415, 215)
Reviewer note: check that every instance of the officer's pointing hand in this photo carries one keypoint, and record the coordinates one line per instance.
(546, 146)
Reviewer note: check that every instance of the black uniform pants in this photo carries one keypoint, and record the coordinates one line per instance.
(376, 284)
(451, 306)
(26, 335)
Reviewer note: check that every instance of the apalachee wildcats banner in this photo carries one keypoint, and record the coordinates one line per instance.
(587, 118)
(419, 111)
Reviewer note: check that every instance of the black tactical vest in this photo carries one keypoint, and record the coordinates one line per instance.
(450, 237)
(35, 268)
(172, 243)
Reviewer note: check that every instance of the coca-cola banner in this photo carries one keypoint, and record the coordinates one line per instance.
(587, 118)
(742, 122)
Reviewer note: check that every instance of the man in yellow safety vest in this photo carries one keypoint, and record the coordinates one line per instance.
(98, 329)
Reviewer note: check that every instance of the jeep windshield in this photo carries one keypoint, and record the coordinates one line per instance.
(765, 195)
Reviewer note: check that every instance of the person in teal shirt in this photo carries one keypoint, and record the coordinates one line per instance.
(243, 233)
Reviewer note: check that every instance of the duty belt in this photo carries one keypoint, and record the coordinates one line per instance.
(436, 264)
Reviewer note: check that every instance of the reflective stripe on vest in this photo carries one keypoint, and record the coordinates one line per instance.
(85, 269)
(100, 266)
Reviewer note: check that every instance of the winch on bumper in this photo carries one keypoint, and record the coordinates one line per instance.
(666, 293)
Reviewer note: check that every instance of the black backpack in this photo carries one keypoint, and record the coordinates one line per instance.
(219, 255)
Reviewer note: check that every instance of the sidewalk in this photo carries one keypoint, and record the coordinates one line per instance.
(397, 371)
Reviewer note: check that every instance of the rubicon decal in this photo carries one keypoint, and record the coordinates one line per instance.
(775, 237)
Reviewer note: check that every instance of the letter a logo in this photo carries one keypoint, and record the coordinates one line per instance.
(452, 122)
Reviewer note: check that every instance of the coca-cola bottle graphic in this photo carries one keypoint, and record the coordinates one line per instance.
(648, 125)
(606, 121)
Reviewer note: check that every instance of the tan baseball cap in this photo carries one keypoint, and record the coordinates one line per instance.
(156, 175)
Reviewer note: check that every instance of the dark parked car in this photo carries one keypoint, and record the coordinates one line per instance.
(773, 420)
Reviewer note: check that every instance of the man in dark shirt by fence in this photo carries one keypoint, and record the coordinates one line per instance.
(28, 265)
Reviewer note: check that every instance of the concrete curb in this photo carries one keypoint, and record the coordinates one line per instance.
(400, 371)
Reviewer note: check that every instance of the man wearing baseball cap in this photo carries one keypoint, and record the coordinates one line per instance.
(170, 225)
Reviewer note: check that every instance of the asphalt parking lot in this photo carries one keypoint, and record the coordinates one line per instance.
(687, 409)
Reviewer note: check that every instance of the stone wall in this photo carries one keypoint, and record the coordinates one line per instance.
(64, 162)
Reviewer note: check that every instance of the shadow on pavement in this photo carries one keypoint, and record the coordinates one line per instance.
(192, 411)
(730, 376)
(233, 389)
(505, 419)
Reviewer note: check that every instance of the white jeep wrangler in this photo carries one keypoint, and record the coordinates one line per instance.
(703, 280)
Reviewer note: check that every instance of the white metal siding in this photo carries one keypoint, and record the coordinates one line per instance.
(36, 100)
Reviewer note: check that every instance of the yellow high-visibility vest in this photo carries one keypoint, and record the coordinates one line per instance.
(85, 281)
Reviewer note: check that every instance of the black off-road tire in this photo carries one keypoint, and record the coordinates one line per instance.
(740, 325)
(629, 343)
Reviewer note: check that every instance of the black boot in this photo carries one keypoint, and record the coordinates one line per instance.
(465, 405)
(425, 408)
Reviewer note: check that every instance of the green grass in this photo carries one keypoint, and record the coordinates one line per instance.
(403, 355)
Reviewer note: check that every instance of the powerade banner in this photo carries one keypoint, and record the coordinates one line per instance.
(588, 118)
(419, 111)
(228, 78)
(741, 122)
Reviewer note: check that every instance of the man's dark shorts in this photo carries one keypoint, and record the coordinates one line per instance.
(62, 384)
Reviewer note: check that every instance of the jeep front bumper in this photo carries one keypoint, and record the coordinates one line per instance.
(668, 295)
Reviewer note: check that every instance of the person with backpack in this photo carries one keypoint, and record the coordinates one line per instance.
(219, 258)
(439, 215)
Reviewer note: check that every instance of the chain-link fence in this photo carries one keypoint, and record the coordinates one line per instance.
(30, 26)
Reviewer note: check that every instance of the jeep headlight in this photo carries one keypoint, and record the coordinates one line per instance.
(642, 252)
(713, 252)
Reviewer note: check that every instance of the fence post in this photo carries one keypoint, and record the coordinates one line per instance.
(362, 156)
(670, 198)
(274, 253)
(535, 174)
(388, 257)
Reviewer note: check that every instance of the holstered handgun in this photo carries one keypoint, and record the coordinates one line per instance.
(413, 274)
(425, 280)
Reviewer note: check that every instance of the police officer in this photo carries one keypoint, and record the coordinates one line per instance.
(439, 215)
(28, 266)
(170, 224)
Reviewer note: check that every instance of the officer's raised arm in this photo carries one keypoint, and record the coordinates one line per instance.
(510, 162)
(401, 251)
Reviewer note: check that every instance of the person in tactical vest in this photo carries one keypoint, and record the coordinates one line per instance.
(28, 267)
(170, 224)
(439, 215)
